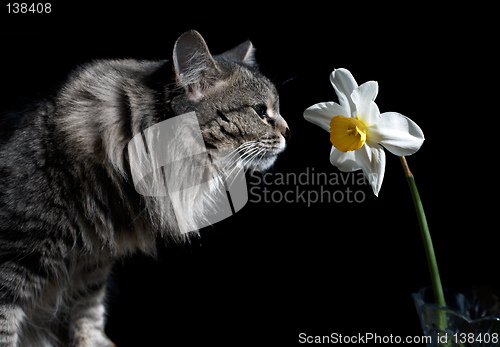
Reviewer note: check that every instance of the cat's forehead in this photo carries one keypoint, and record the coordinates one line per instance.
(257, 86)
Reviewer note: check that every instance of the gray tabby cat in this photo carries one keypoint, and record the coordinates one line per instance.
(68, 207)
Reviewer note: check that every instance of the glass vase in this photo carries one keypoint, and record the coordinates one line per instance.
(471, 318)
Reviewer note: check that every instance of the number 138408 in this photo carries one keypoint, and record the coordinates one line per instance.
(24, 8)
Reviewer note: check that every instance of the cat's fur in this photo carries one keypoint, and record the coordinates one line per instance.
(68, 207)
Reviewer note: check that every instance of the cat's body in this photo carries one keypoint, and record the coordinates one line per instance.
(68, 206)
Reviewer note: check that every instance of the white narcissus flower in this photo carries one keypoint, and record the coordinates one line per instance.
(357, 129)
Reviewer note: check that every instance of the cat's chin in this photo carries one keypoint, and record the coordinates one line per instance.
(267, 161)
(263, 164)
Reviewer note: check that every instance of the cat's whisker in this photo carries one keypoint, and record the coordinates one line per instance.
(241, 147)
(233, 161)
(246, 157)
(200, 134)
(236, 166)
(226, 160)
(250, 155)
(255, 159)
(260, 153)
(260, 157)
(236, 154)
(250, 152)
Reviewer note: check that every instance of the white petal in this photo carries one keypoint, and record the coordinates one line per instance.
(344, 84)
(368, 90)
(371, 159)
(321, 114)
(397, 133)
(345, 161)
(363, 97)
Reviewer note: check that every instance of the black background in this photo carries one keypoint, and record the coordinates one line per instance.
(278, 269)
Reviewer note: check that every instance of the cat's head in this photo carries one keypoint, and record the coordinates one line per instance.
(236, 106)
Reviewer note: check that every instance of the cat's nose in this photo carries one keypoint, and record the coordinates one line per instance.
(287, 134)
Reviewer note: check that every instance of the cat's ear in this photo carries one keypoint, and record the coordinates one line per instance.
(243, 53)
(195, 68)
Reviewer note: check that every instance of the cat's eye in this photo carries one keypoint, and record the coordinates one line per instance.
(261, 110)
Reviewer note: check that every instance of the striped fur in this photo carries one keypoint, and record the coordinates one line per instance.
(68, 208)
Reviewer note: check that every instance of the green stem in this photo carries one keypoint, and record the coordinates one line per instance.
(429, 249)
